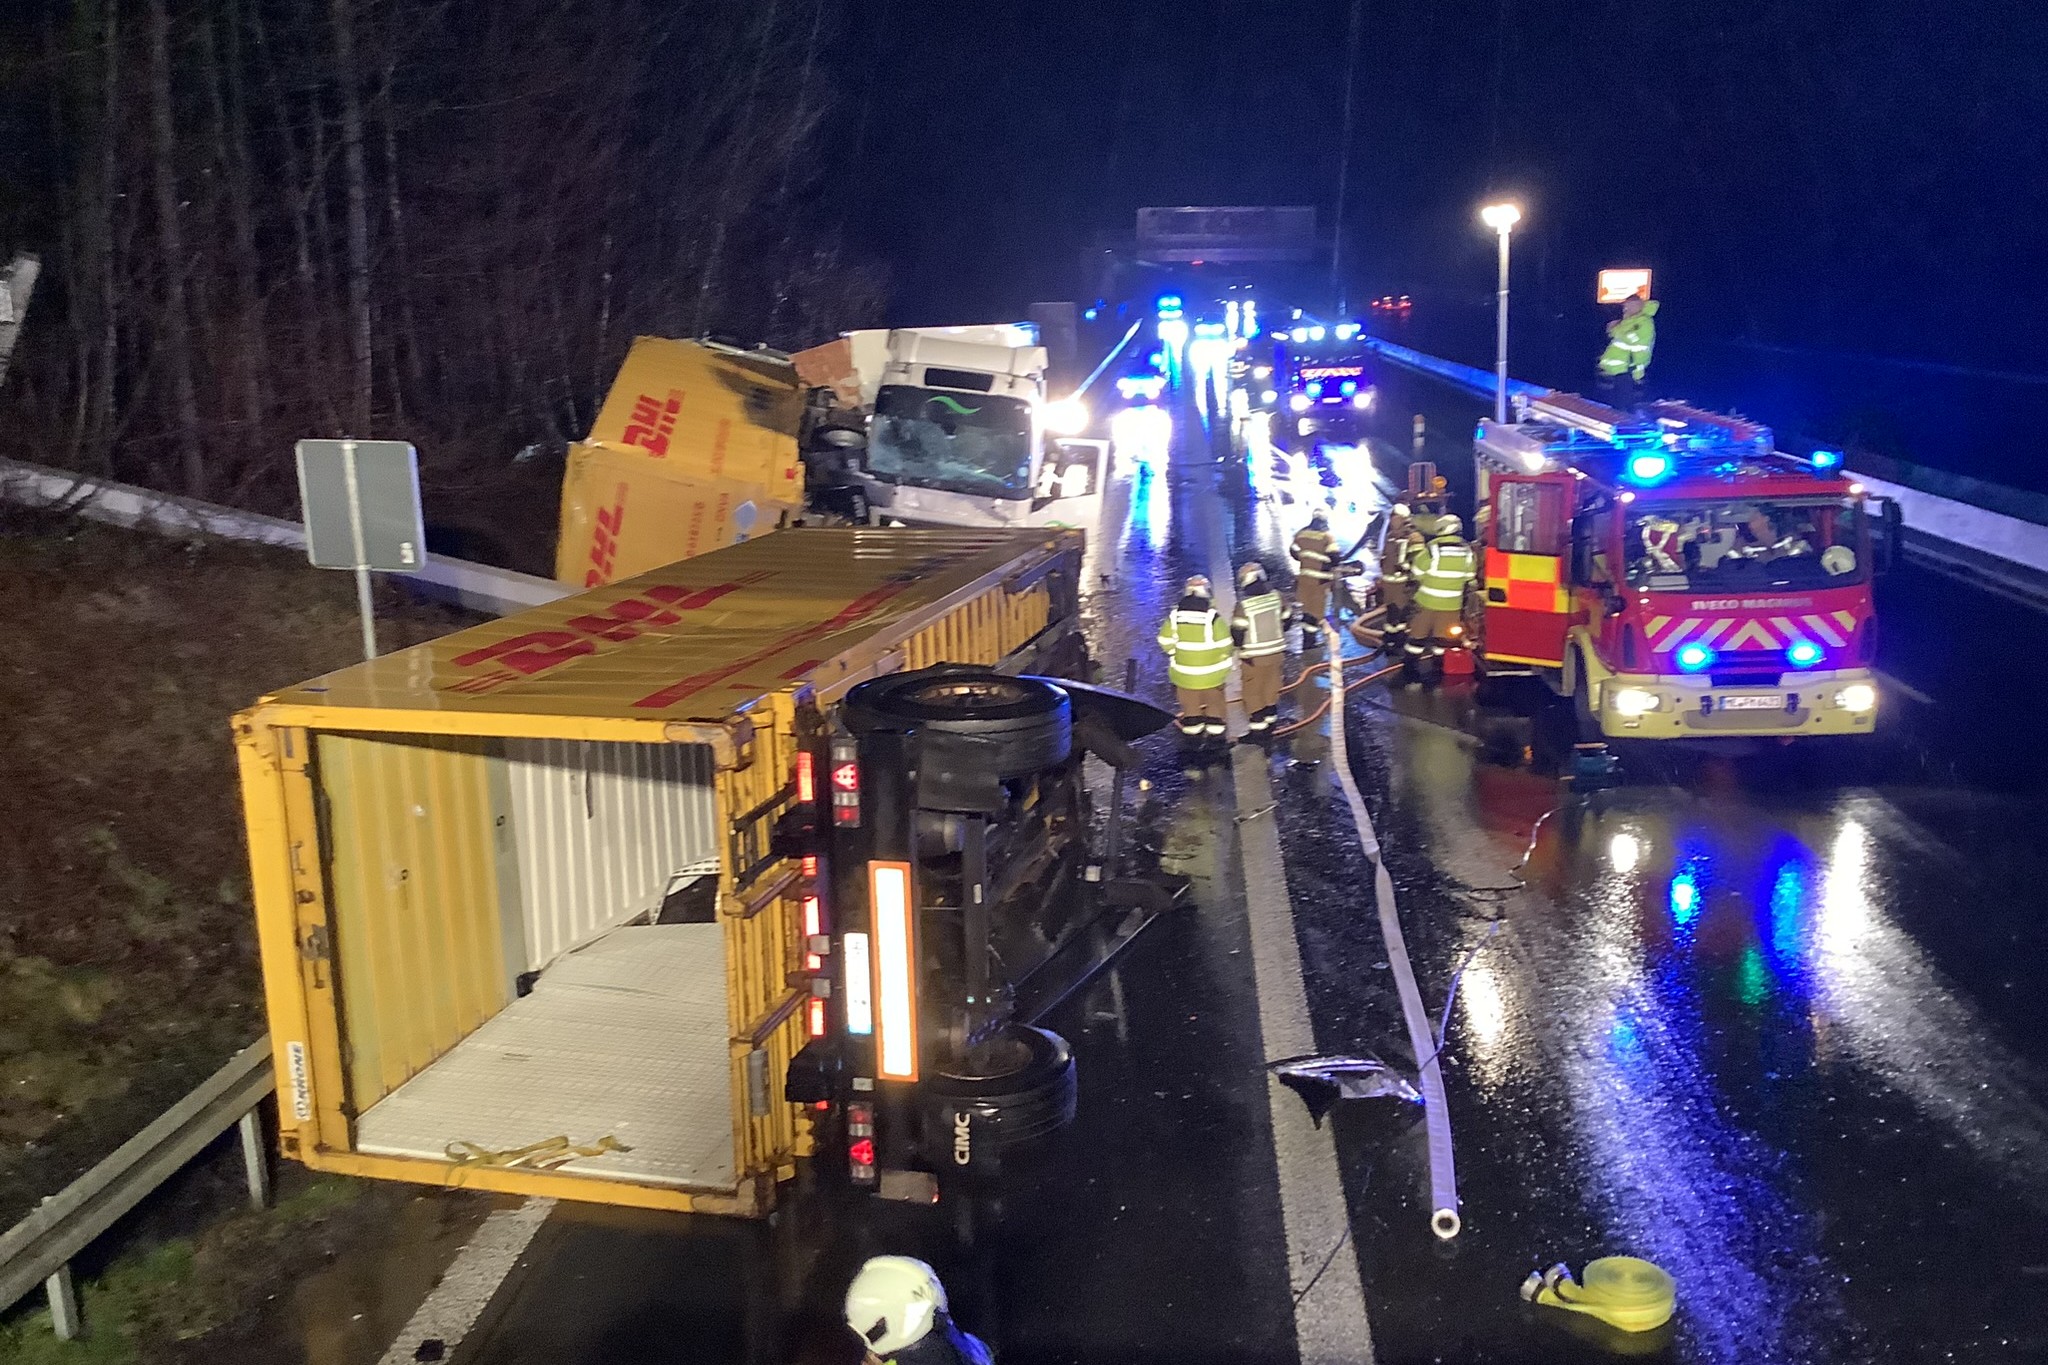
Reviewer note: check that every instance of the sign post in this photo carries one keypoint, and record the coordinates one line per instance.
(361, 504)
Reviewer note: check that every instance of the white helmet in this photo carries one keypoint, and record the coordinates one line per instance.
(894, 1302)
(1448, 525)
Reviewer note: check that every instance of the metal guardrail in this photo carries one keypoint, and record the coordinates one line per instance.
(1980, 544)
(38, 1249)
(480, 587)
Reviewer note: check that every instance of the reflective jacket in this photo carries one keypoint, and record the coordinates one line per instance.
(1630, 342)
(1197, 646)
(1316, 550)
(1259, 625)
(1442, 568)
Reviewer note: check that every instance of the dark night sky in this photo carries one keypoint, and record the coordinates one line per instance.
(1852, 177)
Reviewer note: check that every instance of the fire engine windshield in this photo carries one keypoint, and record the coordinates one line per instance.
(1747, 544)
(960, 442)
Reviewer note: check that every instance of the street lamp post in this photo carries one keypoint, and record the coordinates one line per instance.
(1502, 219)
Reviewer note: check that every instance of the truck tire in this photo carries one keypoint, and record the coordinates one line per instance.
(1029, 1095)
(1012, 726)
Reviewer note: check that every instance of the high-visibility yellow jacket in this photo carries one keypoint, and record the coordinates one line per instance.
(1443, 568)
(1197, 646)
(1316, 550)
(1259, 625)
(1630, 343)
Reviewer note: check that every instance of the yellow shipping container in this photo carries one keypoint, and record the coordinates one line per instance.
(688, 434)
(523, 927)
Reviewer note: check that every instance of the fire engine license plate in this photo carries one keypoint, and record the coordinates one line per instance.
(1753, 702)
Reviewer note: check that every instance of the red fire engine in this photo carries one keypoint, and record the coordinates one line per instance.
(1675, 575)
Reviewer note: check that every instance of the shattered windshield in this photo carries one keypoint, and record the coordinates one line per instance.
(1746, 544)
(960, 442)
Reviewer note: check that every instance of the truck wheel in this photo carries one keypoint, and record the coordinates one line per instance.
(1023, 1093)
(1014, 726)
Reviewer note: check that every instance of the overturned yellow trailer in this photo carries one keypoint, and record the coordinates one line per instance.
(524, 922)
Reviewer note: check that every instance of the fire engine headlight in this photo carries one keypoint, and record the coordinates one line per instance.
(1635, 701)
(1300, 402)
(1362, 400)
(1857, 697)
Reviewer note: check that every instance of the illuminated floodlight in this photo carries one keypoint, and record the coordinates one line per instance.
(1298, 334)
(1500, 217)
(1346, 330)
(1315, 334)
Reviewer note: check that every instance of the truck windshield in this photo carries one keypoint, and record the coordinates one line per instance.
(958, 442)
(1747, 544)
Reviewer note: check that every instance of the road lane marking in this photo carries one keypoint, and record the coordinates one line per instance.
(1330, 1325)
(470, 1282)
(1329, 1312)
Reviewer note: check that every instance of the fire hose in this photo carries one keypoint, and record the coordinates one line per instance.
(1443, 1179)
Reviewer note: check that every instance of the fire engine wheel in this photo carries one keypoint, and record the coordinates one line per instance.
(1023, 1090)
(1015, 726)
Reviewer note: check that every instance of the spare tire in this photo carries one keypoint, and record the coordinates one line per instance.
(1005, 726)
(1026, 1092)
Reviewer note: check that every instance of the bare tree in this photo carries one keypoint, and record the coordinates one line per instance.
(361, 395)
(177, 321)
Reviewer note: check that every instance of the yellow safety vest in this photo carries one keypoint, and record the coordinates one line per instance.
(1197, 649)
(1442, 570)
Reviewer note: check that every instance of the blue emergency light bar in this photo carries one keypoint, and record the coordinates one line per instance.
(1827, 459)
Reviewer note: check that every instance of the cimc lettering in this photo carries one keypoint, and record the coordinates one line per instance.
(963, 1148)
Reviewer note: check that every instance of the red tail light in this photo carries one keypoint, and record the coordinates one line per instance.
(845, 784)
(860, 1148)
(817, 1016)
(806, 778)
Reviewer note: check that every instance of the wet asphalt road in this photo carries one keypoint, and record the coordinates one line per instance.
(1771, 1022)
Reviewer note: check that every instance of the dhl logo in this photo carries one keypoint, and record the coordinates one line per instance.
(538, 651)
(1730, 633)
(604, 541)
(653, 422)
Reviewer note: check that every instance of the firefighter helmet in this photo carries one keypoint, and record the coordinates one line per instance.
(1448, 525)
(1198, 586)
(894, 1302)
(1250, 573)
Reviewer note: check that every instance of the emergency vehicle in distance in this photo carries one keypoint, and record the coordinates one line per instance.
(1675, 575)
(1325, 384)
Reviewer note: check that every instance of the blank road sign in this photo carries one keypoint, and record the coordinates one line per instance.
(1616, 285)
(361, 503)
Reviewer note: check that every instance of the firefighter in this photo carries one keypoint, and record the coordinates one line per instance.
(1198, 654)
(897, 1307)
(1631, 338)
(1397, 581)
(1258, 627)
(1315, 552)
(1444, 570)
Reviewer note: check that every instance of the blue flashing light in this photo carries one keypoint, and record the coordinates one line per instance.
(1685, 897)
(1649, 466)
(1092, 314)
(1694, 657)
(1315, 388)
(1827, 459)
(1169, 303)
(1348, 387)
(1803, 654)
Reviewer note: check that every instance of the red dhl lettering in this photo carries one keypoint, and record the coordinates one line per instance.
(718, 443)
(604, 541)
(539, 651)
(654, 421)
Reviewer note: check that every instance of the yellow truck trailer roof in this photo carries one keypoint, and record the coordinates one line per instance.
(698, 640)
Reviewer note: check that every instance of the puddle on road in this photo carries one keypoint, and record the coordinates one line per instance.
(350, 1310)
